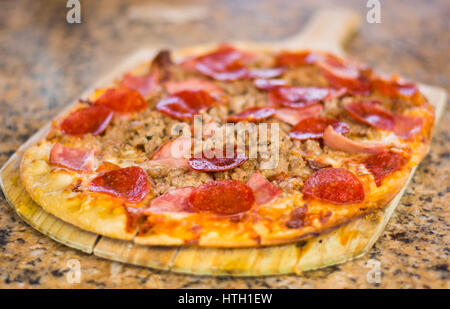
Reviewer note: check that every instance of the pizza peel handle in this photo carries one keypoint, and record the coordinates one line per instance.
(328, 30)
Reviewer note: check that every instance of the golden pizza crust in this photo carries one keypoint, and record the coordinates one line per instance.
(256, 230)
(54, 189)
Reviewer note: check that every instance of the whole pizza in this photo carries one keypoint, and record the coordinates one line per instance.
(231, 147)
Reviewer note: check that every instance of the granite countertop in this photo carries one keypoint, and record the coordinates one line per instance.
(45, 63)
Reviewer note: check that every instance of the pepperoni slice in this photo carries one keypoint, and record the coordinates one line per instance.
(297, 97)
(371, 113)
(295, 115)
(222, 197)
(263, 190)
(216, 164)
(229, 75)
(253, 114)
(337, 141)
(173, 201)
(266, 73)
(313, 128)
(384, 163)
(122, 100)
(395, 87)
(226, 63)
(344, 74)
(184, 105)
(129, 183)
(76, 159)
(93, 119)
(334, 185)
(293, 59)
(268, 84)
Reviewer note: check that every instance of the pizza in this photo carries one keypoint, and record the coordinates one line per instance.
(231, 146)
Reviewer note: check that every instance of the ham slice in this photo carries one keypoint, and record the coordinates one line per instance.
(192, 84)
(268, 84)
(174, 153)
(173, 201)
(293, 116)
(263, 190)
(144, 84)
(76, 159)
(336, 141)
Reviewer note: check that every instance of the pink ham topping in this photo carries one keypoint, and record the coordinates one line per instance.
(293, 116)
(174, 153)
(173, 201)
(347, 74)
(76, 159)
(192, 84)
(298, 97)
(144, 84)
(263, 190)
(336, 141)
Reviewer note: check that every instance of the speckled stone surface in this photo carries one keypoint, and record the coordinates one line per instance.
(45, 63)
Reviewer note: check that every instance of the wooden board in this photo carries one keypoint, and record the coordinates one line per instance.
(328, 30)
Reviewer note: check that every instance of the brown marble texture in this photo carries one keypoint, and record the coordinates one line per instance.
(45, 63)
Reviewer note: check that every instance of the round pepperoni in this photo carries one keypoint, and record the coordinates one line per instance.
(313, 128)
(93, 119)
(395, 87)
(228, 75)
(217, 164)
(129, 183)
(226, 63)
(268, 84)
(371, 113)
(334, 185)
(224, 58)
(122, 100)
(223, 197)
(184, 105)
(344, 74)
(292, 59)
(253, 114)
(384, 163)
(266, 73)
(297, 97)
